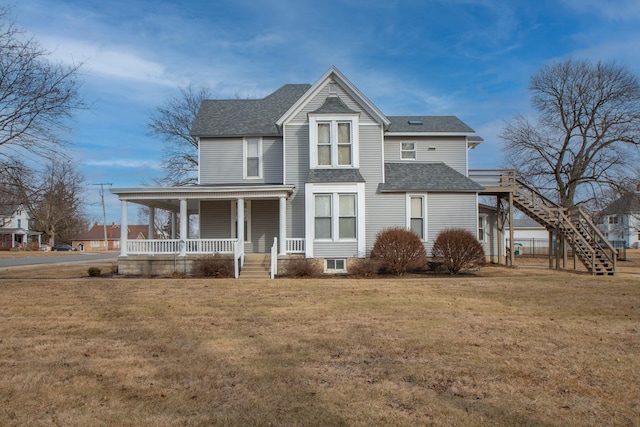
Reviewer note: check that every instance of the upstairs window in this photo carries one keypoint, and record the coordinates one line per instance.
(408, 150)
(333, 141)
(252, 158)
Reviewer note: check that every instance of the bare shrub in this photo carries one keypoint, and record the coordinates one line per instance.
(94, 272)
(302, 267)
(398, 250)
(457, 248)
(363, 268)
(213, 266)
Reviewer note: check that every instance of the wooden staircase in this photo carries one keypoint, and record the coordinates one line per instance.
(592, 248)
(596, 253)
(256, 266)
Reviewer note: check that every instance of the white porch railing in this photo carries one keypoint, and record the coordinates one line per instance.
(295, 246)
(173, 246)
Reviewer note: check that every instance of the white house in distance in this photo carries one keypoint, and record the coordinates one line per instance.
(620, 221)
(14, 228)
(320, 169)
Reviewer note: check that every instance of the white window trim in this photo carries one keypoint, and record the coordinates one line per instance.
(244, 158)
(425, 228)
(335, 270)
(314, 119)
(483, 218)
(247, 217)
(414, 151)
(335, 190)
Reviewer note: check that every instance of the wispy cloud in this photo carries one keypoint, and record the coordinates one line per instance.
(613, 10)
(124, 163)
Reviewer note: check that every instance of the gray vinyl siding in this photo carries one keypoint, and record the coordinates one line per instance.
(451, 151)
(335, 249)
(221, 161)
(215, 219)
(317, 101)
(264, 225)
(297, 169)
(454, 210)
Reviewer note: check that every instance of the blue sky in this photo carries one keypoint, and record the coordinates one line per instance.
(469, 58)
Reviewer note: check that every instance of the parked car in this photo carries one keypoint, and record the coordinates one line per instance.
(63, 248)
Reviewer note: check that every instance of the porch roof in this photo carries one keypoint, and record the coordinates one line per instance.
(168, 198)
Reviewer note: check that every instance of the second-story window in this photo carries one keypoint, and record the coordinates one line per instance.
(253, 158)
(408, 150)
(333, 141)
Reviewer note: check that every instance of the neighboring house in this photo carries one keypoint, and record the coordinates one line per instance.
(620, 221)
(14, 228)
(529, 237)
(319, 168)
(94, 238)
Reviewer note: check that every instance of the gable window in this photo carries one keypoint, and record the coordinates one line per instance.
(613, 219)
(333, 141)
(408, 150)
(252, 158)
(416, 208)
(335, 216)
(482, 228)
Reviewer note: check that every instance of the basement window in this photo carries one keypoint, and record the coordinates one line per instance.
(335, 266)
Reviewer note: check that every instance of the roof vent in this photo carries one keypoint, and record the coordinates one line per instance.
(415, 122)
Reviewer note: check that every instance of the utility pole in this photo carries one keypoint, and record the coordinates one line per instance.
(104, 214)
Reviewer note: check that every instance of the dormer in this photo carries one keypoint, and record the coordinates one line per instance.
(333, 135)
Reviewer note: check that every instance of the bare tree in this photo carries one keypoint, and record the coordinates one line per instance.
(36, 95)
(53, 198)
(586, 133)
(172, 123)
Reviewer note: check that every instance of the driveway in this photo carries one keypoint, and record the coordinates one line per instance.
(56, 259)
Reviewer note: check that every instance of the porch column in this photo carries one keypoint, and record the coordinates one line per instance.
(173, 225)
(184, 218)
(124, 226)
(240, 216)
(283, 226)
(152, 220)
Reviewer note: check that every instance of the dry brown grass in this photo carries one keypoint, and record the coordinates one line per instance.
(504, 347)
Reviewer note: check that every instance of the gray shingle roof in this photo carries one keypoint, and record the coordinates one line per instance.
(435, 177)
(332, 105)
(627, 204)
(429, 124)
(246, 117)
(334, 175)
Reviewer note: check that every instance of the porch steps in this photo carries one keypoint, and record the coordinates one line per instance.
(256, 266)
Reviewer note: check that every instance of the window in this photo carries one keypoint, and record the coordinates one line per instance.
(334, 138)
(333, 141)
(323, 216)
(408, 150)
(335, 265)
(335, 212)
(252, 158)
(482, 228)
(19, 223)
(613, 219)
(416, 215)
(95, 243)
(347, 216)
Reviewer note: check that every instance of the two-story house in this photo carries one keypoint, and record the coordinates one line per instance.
(320, 170)
(620, 220)
(14, 228)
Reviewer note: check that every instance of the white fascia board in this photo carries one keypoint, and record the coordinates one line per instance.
(428, 133)
(319, 84)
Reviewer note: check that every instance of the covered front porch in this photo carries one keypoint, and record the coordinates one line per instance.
(221, 211)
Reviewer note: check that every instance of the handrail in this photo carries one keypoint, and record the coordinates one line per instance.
(274, 258)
